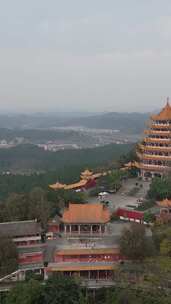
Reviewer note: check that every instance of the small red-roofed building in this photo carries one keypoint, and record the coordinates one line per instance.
(130, 215)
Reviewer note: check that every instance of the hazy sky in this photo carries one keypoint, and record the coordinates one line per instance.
(93, 55)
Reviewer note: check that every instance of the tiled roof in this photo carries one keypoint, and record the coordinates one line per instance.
(89, 251)
(80, 266)
(86, 213)
(20, 228)
(87, 173)
(165, 114)
(165, 203)
(57, 186)
(76, 185)
(80, 184)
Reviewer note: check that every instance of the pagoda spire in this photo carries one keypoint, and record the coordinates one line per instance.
(168, 102)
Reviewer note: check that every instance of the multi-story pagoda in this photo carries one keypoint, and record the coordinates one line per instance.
(155, 150)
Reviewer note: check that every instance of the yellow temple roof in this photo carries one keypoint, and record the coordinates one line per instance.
(85, 176)
(165, 203)
(79, 267)
(80, 184)
(87, 172)
(57, 186)
(131, 164)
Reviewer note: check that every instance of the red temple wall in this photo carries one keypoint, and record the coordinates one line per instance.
(27, 259)
(27, 243)
(88, 258)
(53, 228)
(130, 214)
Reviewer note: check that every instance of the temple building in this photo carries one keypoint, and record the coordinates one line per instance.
(87, 181)
(87, 255)
(154, 152)
(85, 249)
(27, 237)
(101, 273)
(85, 219)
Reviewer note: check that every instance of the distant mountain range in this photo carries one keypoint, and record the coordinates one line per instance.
(130, 123)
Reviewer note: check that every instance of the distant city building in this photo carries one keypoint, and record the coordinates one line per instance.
(154, 152)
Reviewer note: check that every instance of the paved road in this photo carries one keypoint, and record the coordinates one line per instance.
(122, 198)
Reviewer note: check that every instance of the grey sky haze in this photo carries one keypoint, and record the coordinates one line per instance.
(93, 55)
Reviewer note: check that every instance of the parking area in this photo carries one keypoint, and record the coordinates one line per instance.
(123, 198)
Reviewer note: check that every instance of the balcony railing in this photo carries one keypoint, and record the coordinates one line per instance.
(159, 148)
(154, 167)
(153, 156)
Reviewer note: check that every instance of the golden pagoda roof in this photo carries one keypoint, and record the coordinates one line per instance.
(87, 173)
(157, 132)
(157, 140)
(85, 177)
(165, 113)
(57, 186)
(154, 148)
(152, 167)
(79, 184)
(165, 203)
(131, 164)
(76, 185)
(152, 156)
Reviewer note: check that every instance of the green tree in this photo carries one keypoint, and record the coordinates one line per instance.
(165, 247)
(115, 179)
(149, 217)
(16, 207)
(160, 188)
(26, 293)
(33, 205)
(63, 290)
(134, 243)
(67, 196)
(39, 207)
(8, 256)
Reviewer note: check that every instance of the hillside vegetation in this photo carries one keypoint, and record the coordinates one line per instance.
(24, 158)
(129, 123)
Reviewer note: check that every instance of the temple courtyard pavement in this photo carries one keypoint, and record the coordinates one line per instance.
(124, 197)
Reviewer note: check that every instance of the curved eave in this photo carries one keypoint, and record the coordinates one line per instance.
(153, 168)
(150, 148)
(159, 117)
(86, 222)
(156, 132)
(160, 126)
(78, 267)
(157, 140)
(153, 157)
